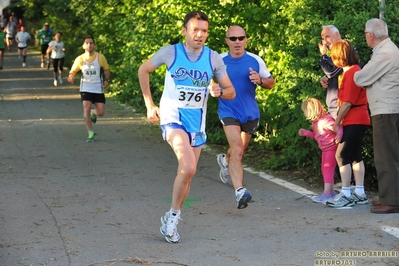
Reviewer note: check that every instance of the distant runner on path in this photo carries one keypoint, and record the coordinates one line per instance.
(95, 77)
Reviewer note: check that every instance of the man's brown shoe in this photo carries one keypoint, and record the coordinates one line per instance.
(385, 209)
(376, 202)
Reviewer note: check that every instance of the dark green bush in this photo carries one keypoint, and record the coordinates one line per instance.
(284, 33)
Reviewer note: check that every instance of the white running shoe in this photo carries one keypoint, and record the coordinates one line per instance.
(169, 228)
(42, 65)
(341, 201)
(360, 199)
(55, 83)
(224, 170)
(243, 197)
(60, 79)
(23, 65)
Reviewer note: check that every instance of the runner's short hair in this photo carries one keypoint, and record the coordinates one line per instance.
(89, 37)
(195, 14)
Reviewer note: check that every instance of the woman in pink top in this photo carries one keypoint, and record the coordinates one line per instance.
(327, 139)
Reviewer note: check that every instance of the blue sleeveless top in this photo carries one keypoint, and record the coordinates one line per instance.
(186, 92)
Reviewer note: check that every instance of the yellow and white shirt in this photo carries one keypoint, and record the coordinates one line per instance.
(91, 67)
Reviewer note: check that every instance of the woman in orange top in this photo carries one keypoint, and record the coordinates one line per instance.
(354, 117)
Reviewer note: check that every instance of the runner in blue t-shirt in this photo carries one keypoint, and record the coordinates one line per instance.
(240, 116)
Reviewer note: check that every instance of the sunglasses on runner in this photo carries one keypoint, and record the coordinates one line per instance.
(234, 38)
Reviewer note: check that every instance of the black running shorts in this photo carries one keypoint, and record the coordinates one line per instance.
(92, 97)
(248, 127)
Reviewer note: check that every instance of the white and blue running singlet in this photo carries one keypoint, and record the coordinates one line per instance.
(185, 94)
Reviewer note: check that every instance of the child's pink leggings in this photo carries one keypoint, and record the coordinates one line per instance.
(328, 164)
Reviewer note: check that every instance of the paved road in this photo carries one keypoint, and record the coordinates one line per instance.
(67, 202)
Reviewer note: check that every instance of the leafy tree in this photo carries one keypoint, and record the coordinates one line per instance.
(284, 33)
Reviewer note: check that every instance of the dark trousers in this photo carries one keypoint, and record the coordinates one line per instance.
(58, 64)
(386, 156)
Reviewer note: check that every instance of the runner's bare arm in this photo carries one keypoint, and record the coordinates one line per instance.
(144, 79)
(229, 92)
